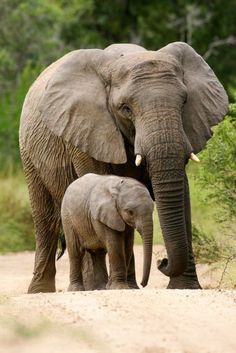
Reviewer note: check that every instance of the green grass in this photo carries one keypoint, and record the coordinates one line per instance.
(16, 226)
(28, 331)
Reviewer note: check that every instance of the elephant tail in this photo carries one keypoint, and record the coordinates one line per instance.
(62, 245)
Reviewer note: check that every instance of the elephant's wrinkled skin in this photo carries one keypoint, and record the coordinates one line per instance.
(99, 214)
(92, 111)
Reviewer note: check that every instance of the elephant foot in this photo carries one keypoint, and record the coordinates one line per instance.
(75, 287)
(101, 286)
(41, 286)
(133, 285)
(118, 285)
(183, 282)
(131, 280)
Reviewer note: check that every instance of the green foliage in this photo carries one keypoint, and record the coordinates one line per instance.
(29, 32)
(206, 248)
(216, 183)
(98, 24)
(10, 110)
(208, 26)
(16, 225)
(218, 167)
(39, 31)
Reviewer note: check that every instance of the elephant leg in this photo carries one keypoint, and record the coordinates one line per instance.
(189, 279)
(88, 271)
(117, 261)
(75, 256)
(46, 217)
(130, 262)
(131, 275)
(100, 269)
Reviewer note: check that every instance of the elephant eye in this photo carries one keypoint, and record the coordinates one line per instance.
(126, 111)
(129, 212)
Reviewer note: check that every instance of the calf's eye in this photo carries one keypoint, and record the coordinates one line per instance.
(125, 110)
(129, 212)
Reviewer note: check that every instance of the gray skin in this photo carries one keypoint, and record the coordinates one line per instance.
(98, 215)
(92, 111)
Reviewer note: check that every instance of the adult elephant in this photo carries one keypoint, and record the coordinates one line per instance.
(95, 110)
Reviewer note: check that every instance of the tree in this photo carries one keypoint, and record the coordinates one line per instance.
(218, 167)
(10, 110)
(29, 32)
(208, 26)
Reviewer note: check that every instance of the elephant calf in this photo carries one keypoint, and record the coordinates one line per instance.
(99, 214)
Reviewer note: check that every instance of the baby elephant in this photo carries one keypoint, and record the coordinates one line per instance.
(101, 212)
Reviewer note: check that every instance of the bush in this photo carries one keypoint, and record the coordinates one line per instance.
(206, 248)
(16, 225)
(218, 167)
(29, 32)
(217, 174)
(10, 111)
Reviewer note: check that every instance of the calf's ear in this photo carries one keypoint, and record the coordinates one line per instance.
(103, 208)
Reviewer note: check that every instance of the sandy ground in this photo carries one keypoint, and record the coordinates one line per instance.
(151, 320)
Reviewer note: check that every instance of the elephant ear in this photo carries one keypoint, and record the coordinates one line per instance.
(207, 101)
(74, 105)
(103, 207)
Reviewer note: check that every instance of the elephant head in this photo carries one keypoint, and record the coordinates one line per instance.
(164, 103)
(119, 201)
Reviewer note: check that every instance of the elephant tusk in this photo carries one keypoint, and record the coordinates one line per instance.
(138, 160)
(194, 158)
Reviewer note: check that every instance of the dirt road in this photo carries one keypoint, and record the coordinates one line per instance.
(151, 320)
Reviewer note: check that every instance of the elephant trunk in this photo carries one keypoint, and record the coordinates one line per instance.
(169, 197)
(146, 232)
(165, 153)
